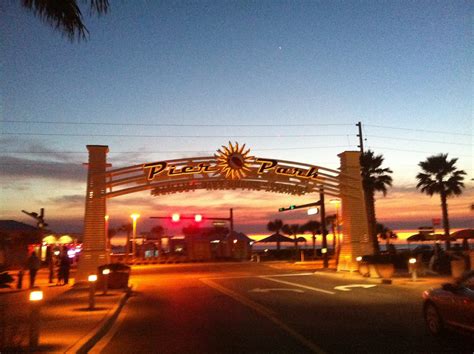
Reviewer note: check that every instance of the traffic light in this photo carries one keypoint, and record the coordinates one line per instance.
(175, 217)
(291, 207)
(198, 217)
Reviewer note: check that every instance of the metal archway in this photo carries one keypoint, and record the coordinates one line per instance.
(230, 168)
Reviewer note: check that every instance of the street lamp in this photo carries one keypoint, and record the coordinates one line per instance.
(134, 217)
(92, 278)
(107, 238)
(36, 297)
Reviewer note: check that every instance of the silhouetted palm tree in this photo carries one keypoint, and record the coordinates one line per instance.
(315, 228)
(440, 176)
(65, 15)
(331, 222)
(275, 226)
(292, 230)
(374, 179)
(385, 233)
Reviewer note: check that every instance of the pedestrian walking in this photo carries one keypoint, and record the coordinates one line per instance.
(64, 267)
(33, 265)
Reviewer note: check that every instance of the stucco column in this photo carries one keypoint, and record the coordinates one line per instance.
(94, 252)
(355, 227)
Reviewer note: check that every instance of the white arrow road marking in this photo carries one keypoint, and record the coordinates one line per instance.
(260, 290)
(347, 287)
(298, 285)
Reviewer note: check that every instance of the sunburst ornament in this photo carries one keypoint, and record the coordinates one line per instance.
(232, 161)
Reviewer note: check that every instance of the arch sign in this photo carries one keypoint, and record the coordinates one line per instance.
(231, 167)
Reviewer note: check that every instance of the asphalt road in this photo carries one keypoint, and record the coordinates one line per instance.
(253, 308)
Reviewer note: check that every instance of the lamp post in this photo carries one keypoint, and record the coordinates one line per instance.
(105, 273)
(107, 238)
(412, 268)
(36, 297)
(92, 278)
(134, 217)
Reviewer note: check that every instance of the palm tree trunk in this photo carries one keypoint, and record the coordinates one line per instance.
(128, 243)
(444, 208)
(314, 246)
(371, 220)
(278, 245)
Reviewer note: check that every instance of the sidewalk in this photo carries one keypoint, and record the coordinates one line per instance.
(66, 324)
(399, 278)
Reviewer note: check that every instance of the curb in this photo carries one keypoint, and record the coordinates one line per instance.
(89, 340)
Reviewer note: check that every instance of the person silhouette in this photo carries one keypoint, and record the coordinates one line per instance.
(33, 265)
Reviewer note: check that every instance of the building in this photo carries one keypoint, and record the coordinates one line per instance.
(15, 237)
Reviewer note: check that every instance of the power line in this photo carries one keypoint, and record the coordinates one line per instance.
(229, 125)
(178, 125)
(179, 136)
(417, 140)
(416, 130)
(407, 150)
(173, 151)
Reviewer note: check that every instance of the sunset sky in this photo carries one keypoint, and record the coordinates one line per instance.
(160, 80)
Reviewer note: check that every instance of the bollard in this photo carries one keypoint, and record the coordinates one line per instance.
(92, 279)
(302, 256)
(35, 304)
(19, 284)
(412, 267)
(258, 258)
(106, 273)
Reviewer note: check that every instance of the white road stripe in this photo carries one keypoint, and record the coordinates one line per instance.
(258, 276)
(298, 285)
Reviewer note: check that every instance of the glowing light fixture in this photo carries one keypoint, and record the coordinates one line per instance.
(358, 259)
(92, 278)
(198, 217)
(313, 211)
(175, 217)
(36, 295)
(106, 271)
(412, 260)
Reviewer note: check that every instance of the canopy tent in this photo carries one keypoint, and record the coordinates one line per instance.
(422, 237)
(276, 238)
(465, 235)
(239, 236)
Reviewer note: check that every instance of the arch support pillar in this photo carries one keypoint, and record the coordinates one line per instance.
(94, 252)
(355, 227)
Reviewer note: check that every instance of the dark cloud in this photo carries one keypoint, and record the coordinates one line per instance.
(76, 200)
(16, 167)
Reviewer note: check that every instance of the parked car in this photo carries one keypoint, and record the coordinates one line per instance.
(451, 306)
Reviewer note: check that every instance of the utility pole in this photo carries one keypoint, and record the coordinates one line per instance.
(361, 139)
(324, 246)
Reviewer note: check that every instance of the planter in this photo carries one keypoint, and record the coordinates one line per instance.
(458, 266)
(383, 270)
